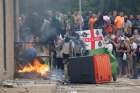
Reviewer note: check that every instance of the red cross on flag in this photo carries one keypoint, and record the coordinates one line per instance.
(93, 39)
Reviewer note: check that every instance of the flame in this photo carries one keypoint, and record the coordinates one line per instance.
(36, 67)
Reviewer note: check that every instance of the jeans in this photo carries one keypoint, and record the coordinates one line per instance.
(60, 64)
(122, 66)
(135, 72)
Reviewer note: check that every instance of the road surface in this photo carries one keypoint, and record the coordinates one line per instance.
(123, 85)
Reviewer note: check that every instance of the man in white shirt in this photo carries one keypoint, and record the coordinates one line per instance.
(109, 46)
(133, 46)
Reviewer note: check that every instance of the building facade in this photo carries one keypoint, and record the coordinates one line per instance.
(6, 39)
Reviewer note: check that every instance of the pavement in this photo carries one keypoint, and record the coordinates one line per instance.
(122, 85)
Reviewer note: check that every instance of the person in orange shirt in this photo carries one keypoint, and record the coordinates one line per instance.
(92, 21)
(119, 23)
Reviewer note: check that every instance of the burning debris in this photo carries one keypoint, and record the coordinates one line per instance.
(36, 68)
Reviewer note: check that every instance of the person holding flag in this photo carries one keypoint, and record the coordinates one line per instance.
(92, 21)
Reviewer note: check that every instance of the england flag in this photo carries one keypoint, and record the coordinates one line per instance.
(93, 39)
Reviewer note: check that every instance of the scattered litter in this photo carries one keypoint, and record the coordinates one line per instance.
(8, 86)
(3, 90)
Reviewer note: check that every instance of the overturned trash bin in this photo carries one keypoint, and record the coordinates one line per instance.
(80, 70)
(95, 69)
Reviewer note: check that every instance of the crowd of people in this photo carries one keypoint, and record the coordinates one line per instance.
(121, 33)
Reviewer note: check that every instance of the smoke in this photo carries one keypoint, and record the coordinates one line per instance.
(57, 75)
(48, 33)
(27, 6)
(35, 11)
(38, 23)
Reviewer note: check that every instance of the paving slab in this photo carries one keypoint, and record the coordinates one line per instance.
(123, 85)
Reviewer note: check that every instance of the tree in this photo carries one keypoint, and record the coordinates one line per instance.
(128, 6)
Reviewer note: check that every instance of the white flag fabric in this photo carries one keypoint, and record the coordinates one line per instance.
(93, 39)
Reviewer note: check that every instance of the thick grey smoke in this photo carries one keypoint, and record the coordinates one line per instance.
(48, 33)
(27, 6)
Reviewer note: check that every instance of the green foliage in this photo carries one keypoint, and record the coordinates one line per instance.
(128, 6)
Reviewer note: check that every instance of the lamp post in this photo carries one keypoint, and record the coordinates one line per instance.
(80, 10)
